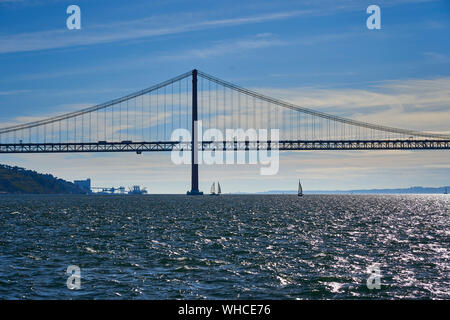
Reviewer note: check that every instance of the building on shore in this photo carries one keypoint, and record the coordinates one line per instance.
(84, 185)
(137, 190)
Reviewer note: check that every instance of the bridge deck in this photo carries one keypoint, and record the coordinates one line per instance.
(284, 145)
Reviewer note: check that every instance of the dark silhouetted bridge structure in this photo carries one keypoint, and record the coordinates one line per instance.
(144, 121)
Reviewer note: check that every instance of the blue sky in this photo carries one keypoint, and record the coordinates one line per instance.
(315, 53)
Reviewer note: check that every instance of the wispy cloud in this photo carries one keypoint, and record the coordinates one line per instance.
(14, 92)
(223, 47)
(210, 50)
(161, 25)
(421, 104)
(127, 30)
(264, 40)
(436, 57)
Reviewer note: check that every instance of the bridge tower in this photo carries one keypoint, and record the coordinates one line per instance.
(194, 149)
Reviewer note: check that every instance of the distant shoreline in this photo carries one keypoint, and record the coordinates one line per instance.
(410, 190)
(223, 194)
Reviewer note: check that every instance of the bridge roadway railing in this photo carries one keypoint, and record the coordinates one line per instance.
(283, 145)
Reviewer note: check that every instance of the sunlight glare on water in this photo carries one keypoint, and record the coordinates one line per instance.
(233, 246)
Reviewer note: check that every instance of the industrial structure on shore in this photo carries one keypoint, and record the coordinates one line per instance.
(86, 186)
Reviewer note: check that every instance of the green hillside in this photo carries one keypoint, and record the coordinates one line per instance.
(19, 180)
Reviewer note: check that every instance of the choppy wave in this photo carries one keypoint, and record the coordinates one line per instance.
(248, 247)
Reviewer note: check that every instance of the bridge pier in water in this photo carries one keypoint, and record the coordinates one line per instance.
(194, 149)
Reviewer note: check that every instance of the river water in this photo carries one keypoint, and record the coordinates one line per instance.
(227, 247)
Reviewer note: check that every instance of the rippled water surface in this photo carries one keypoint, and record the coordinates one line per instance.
(249, 247)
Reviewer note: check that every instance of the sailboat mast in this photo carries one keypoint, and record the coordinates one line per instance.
(300, 190)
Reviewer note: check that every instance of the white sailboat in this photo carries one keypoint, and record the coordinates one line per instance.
(213, 189)
(300, 189)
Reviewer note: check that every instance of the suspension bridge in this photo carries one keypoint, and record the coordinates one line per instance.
(145, 120)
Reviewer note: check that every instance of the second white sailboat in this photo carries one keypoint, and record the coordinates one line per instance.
(300, 189)
(213, 189)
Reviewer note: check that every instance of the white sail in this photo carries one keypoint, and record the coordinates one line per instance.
(213, 188)
(219, 191)
(300, 189)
